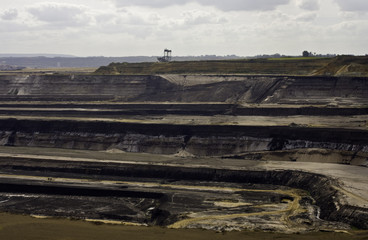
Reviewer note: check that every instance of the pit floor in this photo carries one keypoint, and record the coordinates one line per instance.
(18, 227)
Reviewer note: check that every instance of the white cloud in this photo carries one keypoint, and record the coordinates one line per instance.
(228, 5)
(9, 14)
(199, 17)
(357, 28)
(150, 3)
(353, 5)
(61, 14)
(189, 27)
(11, 27)
(306, 17)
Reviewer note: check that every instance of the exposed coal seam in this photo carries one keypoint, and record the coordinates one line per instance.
(349, 136)
(201, 109)
(75, 191)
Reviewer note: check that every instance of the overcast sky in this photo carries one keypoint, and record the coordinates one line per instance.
(188, 27)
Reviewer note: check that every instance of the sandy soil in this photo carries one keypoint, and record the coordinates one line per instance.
(16, 227)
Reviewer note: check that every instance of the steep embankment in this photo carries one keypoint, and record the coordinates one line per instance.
(201, 140)
(78, 87)
(183, 88)
(265, 89)
(345, 66)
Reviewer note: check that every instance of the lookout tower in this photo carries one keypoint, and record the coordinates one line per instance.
(166, 57)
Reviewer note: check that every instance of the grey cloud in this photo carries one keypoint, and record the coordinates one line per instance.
(353, 5)
(245, 5)
(9, 14)
(311, 5)
(227, 5)
(150, 3)
(65, 14)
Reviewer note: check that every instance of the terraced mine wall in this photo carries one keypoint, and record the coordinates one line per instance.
(35, 125)
(78, 87)
(320, 187)
(201, 140)
(183, 88)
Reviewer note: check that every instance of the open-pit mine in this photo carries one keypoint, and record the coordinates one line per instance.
(224, 152)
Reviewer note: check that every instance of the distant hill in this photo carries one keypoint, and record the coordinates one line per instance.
(64, 61)
(21, 55)
(68, 62)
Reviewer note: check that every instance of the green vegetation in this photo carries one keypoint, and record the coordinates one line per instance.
(298, 58)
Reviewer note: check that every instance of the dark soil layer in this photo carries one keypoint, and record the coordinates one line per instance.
(146, 109)
(350, 136)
